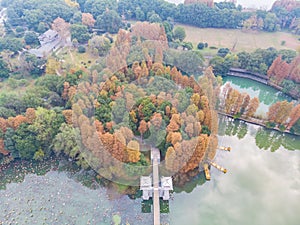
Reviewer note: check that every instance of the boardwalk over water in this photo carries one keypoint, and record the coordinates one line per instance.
(235, 72)
(156, 187)
(155, 155)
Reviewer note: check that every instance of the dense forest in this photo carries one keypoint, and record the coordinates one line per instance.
(118, 82)
(38, 14)
(75, 113)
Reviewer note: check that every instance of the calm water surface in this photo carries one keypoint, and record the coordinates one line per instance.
(266, 94)
(261, 187)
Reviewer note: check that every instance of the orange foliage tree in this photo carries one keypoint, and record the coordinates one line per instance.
(252, 107)
(30, 115)
(88, 19)
(294, 116)
(279, 70)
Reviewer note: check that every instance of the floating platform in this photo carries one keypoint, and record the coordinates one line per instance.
(206, 171)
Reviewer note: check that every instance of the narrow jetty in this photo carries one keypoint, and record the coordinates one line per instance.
(155, 176)
(218, 167)
(154, 188)
(225, 148)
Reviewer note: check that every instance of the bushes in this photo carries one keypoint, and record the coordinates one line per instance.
(202, 45)
(270, 125)
(81, 49)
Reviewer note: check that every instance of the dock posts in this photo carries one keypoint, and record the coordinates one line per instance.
(225, 148)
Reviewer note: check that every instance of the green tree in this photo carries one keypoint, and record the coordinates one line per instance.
(33, 17)
(200, 45)
(39, 155)
(80, 33)
(190, 62)
(119, 110)
(139, 14)
(270, 22)
(4, 71)
(51, 82)
(12, 44)
(155, 18)
(9, 142)
(179, 33)
(109, 21)
(30, 65)
(103, 113)
(66, 141)
(147, 108)
(25, 141)
(31, 38)
(102, 44)
(98, 7)
(45, 127)
(288, 85)
(220, 65)
(223, 52)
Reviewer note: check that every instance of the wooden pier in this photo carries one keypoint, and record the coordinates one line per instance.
(155, 188)
(205, 165)
(155, 176)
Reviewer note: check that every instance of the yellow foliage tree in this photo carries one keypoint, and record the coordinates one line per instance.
(133, 152)
(52, 66)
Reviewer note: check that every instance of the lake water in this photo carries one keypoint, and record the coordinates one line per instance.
(266, 94)
(261, 187)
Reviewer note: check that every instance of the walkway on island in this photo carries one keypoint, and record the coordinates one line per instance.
(235, 72)
(155, 155)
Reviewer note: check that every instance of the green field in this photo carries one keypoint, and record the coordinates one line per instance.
(243, 40)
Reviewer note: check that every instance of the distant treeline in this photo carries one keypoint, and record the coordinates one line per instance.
(37, 13)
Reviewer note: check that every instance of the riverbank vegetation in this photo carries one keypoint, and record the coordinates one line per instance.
(282, 116)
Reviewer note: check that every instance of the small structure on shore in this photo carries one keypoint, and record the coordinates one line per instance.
(166, 187)
(146, 187)
(50, 41)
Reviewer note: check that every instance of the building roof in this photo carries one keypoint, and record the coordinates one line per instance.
(166, 183)
(146, 182)
(48, 34)
(45, 49)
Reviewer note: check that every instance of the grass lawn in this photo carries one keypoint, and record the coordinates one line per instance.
(77, 60)
(242, 40)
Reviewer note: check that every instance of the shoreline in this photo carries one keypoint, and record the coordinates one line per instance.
(241, 73)
(257, 122)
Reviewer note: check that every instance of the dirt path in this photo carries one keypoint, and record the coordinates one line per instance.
(72, 57)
